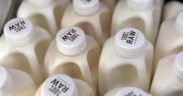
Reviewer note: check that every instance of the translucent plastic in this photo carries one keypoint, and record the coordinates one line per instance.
(171, 69)
(172, 9)
(46, 16)
(62, 85)
(96, 25)
(117, 68)
(145, 17)
(21, 52)
(170, 39)
(18, 83)
(83, 65)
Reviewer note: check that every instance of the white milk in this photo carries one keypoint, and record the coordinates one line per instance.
(126, 60)
(16, 83)
(172, 9)
(140, 14)
(63, 85)
(23, 47)
(170, 38)
(168, 79)
(44, 13)
(127, 91)
(74, 54)
(90, 15)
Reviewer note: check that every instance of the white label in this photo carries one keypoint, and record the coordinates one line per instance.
(87, 1)
(129, 37)
(17, 26)
(70, 35)
(132, 94)
(58, 87)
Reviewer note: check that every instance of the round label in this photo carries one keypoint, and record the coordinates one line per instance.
(70, 36)
(19, 31)
(129, 38)
(131, 91)
(71, 40)
(59, 85)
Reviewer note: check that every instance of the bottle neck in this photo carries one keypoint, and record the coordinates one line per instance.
(86, 7)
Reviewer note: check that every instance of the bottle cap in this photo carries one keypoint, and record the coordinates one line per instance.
(5, 82)
(19, 31)
(41, 3)
(140, 4)
(71, 40)
(130, 42)
(86, 7)
(131, 91)
(179, 64)
(59, 85)
(179, 23)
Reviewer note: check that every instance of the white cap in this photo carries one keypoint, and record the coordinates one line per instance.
(59, 85)
(179, 64)
(5, 81)
(41, 3)
(19, 31)
(86, 7)
(140, 4)
(71, 41)
(131, 91)
(179, 23)
(129, 42)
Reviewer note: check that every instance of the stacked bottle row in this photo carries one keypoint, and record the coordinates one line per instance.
(78, 44)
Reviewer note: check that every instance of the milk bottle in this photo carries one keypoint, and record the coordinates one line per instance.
(63, 85)
(126, 91)
(140, 14)
(172, 9)
(168, 79)
(23, 47)
(44, 13)
(170, 38)
(90, 15)
(126, 60)
(16, 83)
(74, 54)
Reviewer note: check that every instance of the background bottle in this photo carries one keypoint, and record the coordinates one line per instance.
(143, 15)
(168, 77)
(16, 83)
(74, 54)
(23, 47)
(90, 15)
(126, 60)
(172, 9)
(44, 13)
(170, 38)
